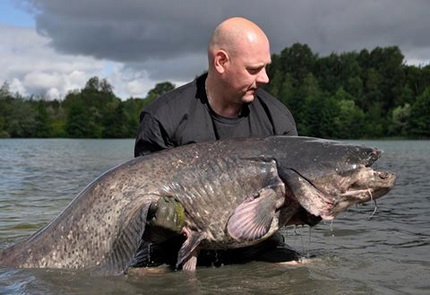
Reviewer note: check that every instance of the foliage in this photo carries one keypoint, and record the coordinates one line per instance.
(366, 94)
(419, 124)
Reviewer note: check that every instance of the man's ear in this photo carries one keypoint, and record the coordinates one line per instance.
(221, 59)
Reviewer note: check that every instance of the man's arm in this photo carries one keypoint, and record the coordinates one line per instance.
(286, 126)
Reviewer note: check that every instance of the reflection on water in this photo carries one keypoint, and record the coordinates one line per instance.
(357, 253)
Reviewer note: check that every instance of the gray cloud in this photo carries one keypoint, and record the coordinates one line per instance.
(30, 67)
(138, 30)
(125, 31)
(167, 39)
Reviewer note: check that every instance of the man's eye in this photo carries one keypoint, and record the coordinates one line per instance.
(254, 71)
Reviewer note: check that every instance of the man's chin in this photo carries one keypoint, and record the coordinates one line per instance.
(248, 98)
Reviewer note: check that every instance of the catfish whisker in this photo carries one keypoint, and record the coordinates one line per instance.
(374, 202)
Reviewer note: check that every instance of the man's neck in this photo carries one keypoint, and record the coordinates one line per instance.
(221, 105)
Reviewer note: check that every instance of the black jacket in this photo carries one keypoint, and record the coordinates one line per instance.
(183, 116)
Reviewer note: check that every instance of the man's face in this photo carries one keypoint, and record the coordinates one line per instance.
(246, 72)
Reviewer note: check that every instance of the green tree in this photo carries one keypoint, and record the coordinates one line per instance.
(78, 123)
(316, 116)
(389, 63)
(275, 85)
(4, 106)
(372, 89)
(299, 61)
(43, 120)
(400, 118)
(5, 90)
(158, 90)
(21, 119)
(419, 124)
(286, 93)
(350, 120)
(95, 101)
(354, 86)
(377, 121)
(133, 107)
(116, 123)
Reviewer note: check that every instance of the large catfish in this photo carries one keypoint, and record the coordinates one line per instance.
(229, 194)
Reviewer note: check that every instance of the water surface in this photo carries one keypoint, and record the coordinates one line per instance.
(357, 253)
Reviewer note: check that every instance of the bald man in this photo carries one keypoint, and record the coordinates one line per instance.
(226, 102)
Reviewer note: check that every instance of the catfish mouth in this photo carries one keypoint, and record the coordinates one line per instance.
(370, 185)
(375, 183)
(332, 194)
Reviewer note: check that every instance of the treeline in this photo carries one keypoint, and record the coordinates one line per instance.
(91, 112)
(350, 95)
(353, 95)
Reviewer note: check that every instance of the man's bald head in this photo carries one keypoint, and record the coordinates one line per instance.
(235, 35)
(238, 54)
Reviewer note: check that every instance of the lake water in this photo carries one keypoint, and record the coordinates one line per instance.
(388, 253)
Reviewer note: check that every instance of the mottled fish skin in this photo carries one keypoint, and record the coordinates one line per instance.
(101, 228)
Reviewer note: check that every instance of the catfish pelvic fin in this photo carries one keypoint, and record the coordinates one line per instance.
(188, 253)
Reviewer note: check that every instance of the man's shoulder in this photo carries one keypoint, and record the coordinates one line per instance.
(279, 115)
(270, 102)
(174, 100)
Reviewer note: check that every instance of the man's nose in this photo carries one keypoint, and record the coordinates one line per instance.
(262, 77)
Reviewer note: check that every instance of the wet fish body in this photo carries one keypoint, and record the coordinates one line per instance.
(234, 193)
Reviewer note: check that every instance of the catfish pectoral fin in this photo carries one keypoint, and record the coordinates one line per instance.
(253, 218)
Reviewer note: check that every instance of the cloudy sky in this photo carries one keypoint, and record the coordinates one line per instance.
(49, 47)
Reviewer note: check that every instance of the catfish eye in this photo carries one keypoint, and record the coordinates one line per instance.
(383, 174)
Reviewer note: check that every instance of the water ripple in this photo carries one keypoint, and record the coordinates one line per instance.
(355, 254)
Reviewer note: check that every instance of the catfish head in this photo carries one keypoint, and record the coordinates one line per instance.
(333, 176)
